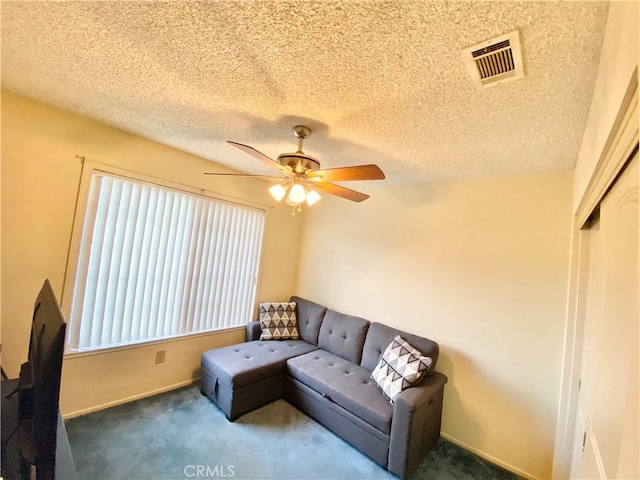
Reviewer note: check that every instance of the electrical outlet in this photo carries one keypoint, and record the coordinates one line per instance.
(160, 356)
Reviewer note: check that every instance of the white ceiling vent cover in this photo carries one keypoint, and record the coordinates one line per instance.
(495, 61)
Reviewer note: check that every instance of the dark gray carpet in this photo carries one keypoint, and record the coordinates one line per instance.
(181, 435)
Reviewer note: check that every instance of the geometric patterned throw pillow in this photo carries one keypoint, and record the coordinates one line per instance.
(278, 321)
(400, 367)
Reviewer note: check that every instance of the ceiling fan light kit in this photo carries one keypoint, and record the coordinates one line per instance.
(294, 193)
(303, 176)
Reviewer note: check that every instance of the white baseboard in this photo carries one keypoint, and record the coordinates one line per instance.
(120, 401)
(488, 457)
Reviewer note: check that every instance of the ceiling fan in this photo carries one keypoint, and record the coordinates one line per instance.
(302, 179)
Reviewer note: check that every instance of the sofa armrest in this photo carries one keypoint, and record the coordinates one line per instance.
(415, 427)
(253, 331)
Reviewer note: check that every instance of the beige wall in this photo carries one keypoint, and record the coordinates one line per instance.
(618, 60)
(479, 266)
(40, 179)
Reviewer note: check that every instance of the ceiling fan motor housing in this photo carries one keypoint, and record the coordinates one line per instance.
(298, 162)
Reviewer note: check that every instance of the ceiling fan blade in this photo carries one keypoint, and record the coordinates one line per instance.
(346, 174)
(259, 155)
(342, 192)
(266, 177)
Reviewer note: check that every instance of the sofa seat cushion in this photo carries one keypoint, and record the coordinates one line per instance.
(344, 383)
(242, 364)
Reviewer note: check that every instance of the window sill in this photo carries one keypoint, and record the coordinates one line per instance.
(147, 343)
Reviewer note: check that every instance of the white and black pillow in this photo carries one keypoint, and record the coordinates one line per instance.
(400, 367)
(278, 321)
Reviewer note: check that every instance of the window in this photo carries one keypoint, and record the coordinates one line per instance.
(155, 262)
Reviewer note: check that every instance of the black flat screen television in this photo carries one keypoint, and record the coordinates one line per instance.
(39, 388)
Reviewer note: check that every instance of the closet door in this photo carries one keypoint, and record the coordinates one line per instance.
(609, 399)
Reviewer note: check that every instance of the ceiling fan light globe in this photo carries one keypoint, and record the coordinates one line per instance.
(278, 192)
(297, 194)
(312, 197)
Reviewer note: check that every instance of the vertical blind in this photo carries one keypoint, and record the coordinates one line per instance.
(157, 263)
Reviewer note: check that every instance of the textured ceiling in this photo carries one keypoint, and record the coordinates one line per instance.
(378, 82)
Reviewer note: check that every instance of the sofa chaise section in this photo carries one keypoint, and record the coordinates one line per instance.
(243, 377)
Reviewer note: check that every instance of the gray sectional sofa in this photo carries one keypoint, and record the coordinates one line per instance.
(326, 374)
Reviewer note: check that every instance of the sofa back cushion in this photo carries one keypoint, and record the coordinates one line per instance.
(380, 336)
(343, 335)
(310, 317)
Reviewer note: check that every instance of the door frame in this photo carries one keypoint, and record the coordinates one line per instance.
(620, 146)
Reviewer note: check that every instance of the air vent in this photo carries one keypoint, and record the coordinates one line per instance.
(495, 61)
